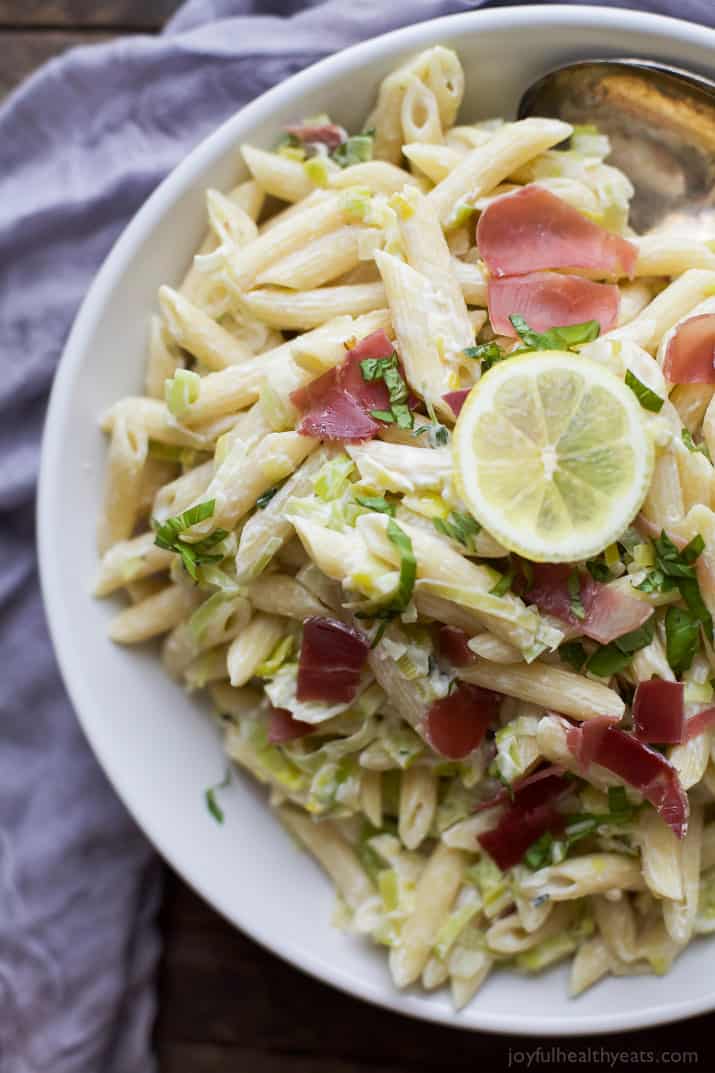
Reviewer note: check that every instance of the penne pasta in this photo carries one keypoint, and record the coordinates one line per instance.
(436, 889)
(128, 448)
(163, 360)
(252, 646)
(128, 561)
(484, 167)
(418, 802)
(156, 615)
(679, 915)
(332, 852)
(192, 330)
(590, 963)
(303, 310)
(243, 265)
(547, 687)
(318, 262)
(592, 873)
(413, 591)
(277, 175)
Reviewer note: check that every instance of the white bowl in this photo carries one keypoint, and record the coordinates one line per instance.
(154, 742)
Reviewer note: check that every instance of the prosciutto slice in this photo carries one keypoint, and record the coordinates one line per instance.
(283, 727)
(532, 229)
(550, 300)
(642, 768)
(329, 134)
(455, 725)
(452, 645)
(584, 740)
(690, 354)
(609, 613)
(507, 793)
(658, 712)
(698, 724)
(532, 813)
(337, 405)
(332, 657)
(455, 399)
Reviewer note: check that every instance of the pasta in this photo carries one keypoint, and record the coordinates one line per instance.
(498, 752)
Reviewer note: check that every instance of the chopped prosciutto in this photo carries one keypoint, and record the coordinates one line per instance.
(550, 300)
(584, 740)
(698, 724)
(456, 724)
(283, 727)
(647, 528)
(455, 399)
(332, 656)
(645, 770)
(609, 613)
(532, 813)
(329, 134)
(506, 793)
(658, 712)
(337, 405)
(690, 354)
(532, 229)
(452, 645)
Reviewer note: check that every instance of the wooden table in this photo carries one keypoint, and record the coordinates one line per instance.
(225, 1005)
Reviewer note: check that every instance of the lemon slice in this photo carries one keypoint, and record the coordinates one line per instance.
(552, 455)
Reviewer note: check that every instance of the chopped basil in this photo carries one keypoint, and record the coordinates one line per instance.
(647, 398)
(355, 150)
(575, 602)
(676, 570)
(598, 570)
(460, 527)
(438, 434)
(607, 661)
(682, 633)
(378, 503)
(614, 657)
(563, 338)
(264, 500)
(539, 852)
(636, 639)
(388, 370)
(504, 583)
(486, 353)
(168, 536)
(617, 800)
(408, 566)
(573, 653)
(548, 850)
(690, 443)
(383, 415)
(210, 797)
(400, 598)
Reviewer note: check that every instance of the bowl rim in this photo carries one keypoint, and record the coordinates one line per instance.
(180, 180)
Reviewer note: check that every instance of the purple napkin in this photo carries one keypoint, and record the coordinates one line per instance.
(82, 144)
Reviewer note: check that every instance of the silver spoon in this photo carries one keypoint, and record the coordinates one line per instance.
(661, 124)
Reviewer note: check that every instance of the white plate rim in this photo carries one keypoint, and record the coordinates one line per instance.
(119, 256)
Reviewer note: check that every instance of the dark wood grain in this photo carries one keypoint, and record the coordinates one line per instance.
(110, 14)
(227, 1006)
(24, 51)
